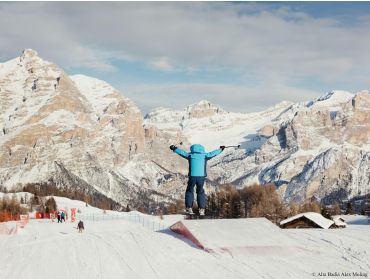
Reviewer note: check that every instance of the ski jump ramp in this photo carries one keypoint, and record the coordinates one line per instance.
(250, 235)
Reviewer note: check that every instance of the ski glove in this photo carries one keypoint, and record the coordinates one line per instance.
(222, 147)
(173, 147)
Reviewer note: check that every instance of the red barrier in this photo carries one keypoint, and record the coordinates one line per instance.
(73, 215)
(6, 217)
(39, 215)
(42, 215)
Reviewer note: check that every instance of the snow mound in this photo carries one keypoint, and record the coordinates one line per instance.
(218, 235)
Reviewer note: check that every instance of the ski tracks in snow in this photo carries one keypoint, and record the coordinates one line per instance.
(116, 251)
(122, 249)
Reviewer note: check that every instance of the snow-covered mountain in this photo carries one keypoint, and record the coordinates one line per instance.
(212, 126)
(77, 131)
(74, 131)
(319, 148)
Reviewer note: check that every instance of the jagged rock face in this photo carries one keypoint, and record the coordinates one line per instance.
(319, 148)
(214, 127)
(49, 118)
(204, 109)
(343, 123)
(267, 131)
(80, 132)
(322, 151)
(342, 162)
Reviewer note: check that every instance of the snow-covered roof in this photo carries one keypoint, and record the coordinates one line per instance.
(314, 217)
(339, 221)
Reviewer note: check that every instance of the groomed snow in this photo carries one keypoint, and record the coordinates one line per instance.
(215, 234)
(126, 249)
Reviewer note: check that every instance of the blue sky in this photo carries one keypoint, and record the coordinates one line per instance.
(244, 56)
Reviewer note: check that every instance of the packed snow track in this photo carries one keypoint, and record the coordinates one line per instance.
(123, 249)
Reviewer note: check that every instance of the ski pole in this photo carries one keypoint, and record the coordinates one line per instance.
(178, 144)
(232, 146)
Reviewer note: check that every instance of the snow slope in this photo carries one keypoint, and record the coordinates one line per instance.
(124, 249)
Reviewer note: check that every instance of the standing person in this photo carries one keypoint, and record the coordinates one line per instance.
(80, 226)
(59, 217)
(197, 173)
(63, 217)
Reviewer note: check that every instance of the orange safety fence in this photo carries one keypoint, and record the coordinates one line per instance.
(22, 220)
(41, 215)
(6, 217)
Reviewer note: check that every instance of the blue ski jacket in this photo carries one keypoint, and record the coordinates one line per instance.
(197, 159)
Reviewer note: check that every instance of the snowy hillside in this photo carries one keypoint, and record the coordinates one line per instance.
(79, 132)
(123, 248)
(295, 146)
(75, 132)
(215, 126)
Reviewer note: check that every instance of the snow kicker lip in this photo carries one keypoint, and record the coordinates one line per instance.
(239, 236)
(180, 228)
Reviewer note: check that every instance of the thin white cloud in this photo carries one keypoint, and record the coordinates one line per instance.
(161, 63)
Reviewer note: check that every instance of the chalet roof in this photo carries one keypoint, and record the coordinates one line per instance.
(314, 217)
(339, 221)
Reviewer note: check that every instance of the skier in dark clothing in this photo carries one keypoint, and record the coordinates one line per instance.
(80, 226)
(59, 218)
(197, 172)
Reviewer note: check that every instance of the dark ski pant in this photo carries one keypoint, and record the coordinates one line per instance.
(189, 195)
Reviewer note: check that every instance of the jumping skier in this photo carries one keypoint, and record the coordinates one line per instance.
(197, 172)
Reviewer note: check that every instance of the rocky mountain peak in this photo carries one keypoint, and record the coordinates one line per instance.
(203, 109)
(96, 137)
(47, 116)
(332, 99)
(28, 55)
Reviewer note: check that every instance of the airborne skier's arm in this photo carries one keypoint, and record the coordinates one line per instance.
(180, 152)
(215, 152)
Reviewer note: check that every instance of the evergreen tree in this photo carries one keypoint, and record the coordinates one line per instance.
(336, 209)
(50, 205)
(349, 210)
